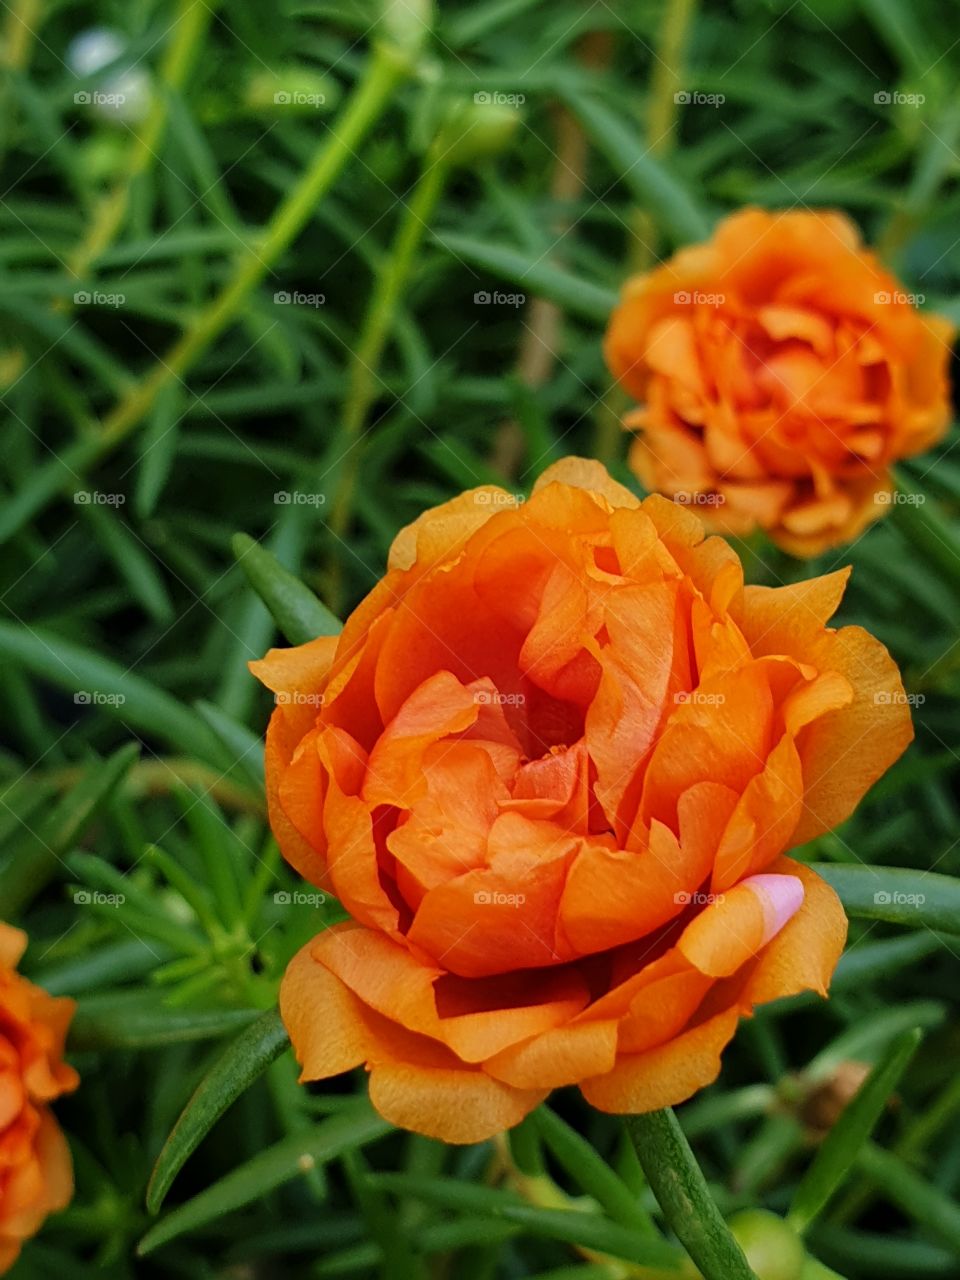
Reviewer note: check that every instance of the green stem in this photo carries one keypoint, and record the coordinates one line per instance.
(682, 1193)
(660, 128)
(19, 32)
(362, 379)
(918, 1199)
(608, 426)
(933, 166)
(189, 28)
(366, 105)
(916, 1137)
(362, 376)
(156, 777)
(16, 46)
(666, 79)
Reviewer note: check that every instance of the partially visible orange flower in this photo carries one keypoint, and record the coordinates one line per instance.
(551, 767)
(781, 371)
(36, 1174)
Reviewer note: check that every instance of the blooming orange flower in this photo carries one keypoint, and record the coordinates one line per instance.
(36, 1175)
(782, 370)
(550, 768)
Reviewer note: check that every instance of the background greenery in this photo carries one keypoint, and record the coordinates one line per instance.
(158, 395)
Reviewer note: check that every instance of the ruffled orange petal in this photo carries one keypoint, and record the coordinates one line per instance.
(666, 1075)
(449, 1104)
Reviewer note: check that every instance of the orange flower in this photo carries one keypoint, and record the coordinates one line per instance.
(36, 1175)
(782, 371)
(550, 768)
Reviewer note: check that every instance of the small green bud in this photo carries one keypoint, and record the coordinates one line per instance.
(405, 24)
(773, 1249)
(477, 130)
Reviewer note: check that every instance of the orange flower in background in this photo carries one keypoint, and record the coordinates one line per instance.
(550, 768)
(36, 1174)
(781, 371)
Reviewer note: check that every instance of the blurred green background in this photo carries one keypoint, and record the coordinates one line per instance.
(300, 271)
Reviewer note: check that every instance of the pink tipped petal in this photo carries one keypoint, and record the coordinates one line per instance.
(781, 897)
(736, 926)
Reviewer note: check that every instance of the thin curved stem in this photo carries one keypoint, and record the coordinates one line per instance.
(682, 1193)
(362, 375)
(367, 103)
